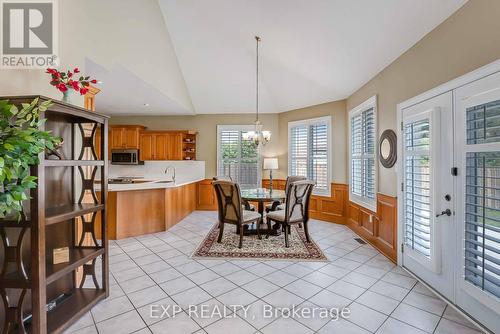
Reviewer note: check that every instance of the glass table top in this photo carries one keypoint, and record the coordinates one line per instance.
(262, 194)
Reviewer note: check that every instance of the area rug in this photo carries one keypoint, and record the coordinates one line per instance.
(253, 248)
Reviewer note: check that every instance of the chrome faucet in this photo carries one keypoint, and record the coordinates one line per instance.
(173, 174)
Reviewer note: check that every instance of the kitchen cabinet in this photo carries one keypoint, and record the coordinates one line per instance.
(174, 146)
(124, 136)
(167, 145)
(146, 149)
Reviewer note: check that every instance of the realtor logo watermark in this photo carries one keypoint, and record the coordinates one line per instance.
(29, 34)
(265, 311)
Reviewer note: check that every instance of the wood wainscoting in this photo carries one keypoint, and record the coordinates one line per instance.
(378, 228)
(331, 209)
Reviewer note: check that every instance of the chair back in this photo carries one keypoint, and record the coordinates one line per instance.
(222, 178)
(297, 201)
(291, 179)
(228, 201)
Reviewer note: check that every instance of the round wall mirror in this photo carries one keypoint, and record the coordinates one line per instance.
(388, 154)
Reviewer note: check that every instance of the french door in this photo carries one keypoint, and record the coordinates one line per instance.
(477, 150)
(428, 236)
(451, 195)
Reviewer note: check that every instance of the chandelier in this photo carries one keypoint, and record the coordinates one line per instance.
(257, 136)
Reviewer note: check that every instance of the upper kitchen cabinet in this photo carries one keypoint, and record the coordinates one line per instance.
(167, 145)
(125, 136)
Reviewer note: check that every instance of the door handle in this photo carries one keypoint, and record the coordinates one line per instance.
(445, 212)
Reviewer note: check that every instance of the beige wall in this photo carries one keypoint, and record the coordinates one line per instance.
(206, 125)
(467, 40)
(337, 110)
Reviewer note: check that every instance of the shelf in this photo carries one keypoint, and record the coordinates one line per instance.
(14, 223)
(70, 163)
(69, 311)
(77, 257)
(62, 213)
(13, 281)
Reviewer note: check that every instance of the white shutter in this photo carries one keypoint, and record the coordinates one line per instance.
(319, 155)
(417, 194)
(229, 143)
(482, 198)
(237, 158)
(309, 152)
(299, 150)
(369, 153)
(356, 155)
(363, 141)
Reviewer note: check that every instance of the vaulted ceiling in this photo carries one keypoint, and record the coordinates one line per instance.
(312, 51)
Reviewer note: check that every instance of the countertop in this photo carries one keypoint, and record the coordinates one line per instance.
(153, 183)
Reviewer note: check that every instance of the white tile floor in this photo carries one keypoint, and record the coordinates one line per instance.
(156, 270)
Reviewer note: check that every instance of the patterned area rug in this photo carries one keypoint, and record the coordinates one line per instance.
(253, 248)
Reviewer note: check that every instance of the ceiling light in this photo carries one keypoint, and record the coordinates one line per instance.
(146, 104)
(257, 136)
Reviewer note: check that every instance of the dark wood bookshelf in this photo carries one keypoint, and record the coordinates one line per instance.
(77, 258)
(61, 213)
(65, 212)
(70, 310)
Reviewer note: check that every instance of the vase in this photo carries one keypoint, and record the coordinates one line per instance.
(68, 96)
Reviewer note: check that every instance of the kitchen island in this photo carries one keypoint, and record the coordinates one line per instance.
(148, 206)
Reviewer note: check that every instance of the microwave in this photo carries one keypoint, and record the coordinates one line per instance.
(125, 157)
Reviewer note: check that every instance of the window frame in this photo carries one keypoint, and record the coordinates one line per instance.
(242, 128)
(309, 122)
(364, 201)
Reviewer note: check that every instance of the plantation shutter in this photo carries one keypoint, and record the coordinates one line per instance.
(299, 151)
(309, 153)
(238, 158)
(319, 155)
(482, 198)
(363, 155)
(417, 193)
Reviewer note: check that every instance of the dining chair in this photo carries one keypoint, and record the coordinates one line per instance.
(296, 208)
(281, 206)
(231, 210)
(246, 205)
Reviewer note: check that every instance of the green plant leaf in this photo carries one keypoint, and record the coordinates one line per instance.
(21, 141)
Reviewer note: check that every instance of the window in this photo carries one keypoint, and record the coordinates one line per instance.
(362, 171)
(238, 158)
(309, 152)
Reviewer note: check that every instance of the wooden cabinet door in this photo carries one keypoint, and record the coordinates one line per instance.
(146, 147)
(174, 146)
(131, 137)
(161, 141)
(116, 139)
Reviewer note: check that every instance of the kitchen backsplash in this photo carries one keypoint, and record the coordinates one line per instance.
(185, 170)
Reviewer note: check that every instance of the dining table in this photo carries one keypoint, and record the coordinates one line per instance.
(262, 196)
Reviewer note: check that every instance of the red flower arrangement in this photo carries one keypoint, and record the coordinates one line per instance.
(64, 81)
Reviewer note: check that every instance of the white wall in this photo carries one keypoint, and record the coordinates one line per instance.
(185, 170)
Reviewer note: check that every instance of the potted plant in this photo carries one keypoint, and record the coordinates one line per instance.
(21, 141)
(67, 83)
